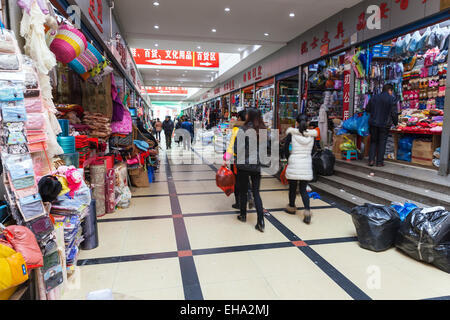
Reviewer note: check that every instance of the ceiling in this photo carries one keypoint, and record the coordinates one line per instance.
(188, 24)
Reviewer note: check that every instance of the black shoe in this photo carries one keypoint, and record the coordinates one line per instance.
(371, 164)
(260, 226)
(242, 218)
(236, 206)
(308, 216)
(380, 165)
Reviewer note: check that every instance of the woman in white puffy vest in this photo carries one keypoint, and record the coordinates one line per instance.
(300, 169)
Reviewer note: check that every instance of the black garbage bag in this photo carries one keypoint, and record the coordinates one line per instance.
(323, 162)
(376, 226)
(425, 236)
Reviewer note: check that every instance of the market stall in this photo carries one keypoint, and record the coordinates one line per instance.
(287, 100)
(265, 100)
(416, 65)
(248, 97)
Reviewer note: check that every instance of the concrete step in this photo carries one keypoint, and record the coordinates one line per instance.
(426, 179)
(428, 197)
(373, 195)
(335, 194)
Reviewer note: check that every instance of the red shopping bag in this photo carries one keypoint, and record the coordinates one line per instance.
(225, 180)
(283, 178)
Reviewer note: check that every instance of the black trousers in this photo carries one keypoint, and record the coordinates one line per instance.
(237, 190)
(158, 135)
(378, 140)
(168, 141)
(293, 184)
(243, 183)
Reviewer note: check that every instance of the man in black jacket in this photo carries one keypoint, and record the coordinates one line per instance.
(168, 127)
(383, 114)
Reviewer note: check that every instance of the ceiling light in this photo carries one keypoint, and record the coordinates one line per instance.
(156, 44)
(266, 34)
(227, 9)
(156, 3)
(199, 47)
(291, 14)
(214, 30)
(156, 26)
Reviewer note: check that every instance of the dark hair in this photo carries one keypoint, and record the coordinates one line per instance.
(255, 117)
(302, 121)
(388, 87)
(157, 119)
(242, 114)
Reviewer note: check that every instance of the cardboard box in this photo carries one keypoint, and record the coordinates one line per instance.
(422, 153)
(338, 140)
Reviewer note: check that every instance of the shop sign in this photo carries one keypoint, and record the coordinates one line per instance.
(217, 91)
(175, 58)
(346, 105)
(228, 86)
(324, 49)
(166, 90)
(254, 74)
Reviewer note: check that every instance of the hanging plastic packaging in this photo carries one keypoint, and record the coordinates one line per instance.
(376, 226)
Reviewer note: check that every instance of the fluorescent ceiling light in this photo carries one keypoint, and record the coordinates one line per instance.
(156, 44)
(156, 3)
(227, 9)
(214, 30)
(156, 26)
(266, 34)
(291, 14)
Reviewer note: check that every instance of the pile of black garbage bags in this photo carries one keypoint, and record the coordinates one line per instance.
(424, 234)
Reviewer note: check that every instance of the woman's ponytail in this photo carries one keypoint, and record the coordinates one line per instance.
(302, 121)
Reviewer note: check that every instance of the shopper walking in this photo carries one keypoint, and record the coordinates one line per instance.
(158, 129)
(168, 127)
(300, 170)
(189, 127)
(249, 165)
(383, 114)
(229, 154)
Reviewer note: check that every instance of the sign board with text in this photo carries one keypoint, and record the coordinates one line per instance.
(175, 58)
(166, 90)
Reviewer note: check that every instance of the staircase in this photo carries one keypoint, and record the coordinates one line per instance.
(355, 183)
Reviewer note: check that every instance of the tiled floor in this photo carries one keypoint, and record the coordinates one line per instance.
(180, 239)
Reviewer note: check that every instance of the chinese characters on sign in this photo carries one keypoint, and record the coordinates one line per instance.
(366, 20)
(255, 74)
(176, 58)
(229, 86)
(346, 105)
(166, 90)
(96, 6)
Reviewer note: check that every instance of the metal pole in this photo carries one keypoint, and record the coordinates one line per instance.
(445, 142)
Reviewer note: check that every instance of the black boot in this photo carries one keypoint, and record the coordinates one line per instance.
(236, 206)
(260, 225)
(242, 218)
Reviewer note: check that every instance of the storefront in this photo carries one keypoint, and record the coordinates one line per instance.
(226, 107)
(265, 100)
(235, 102)
(287, 88)
(71, 144)
(248, 97)
(416, 65)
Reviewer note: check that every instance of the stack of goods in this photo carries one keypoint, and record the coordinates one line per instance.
(72, 239)
(99, 124)
(35, 125)
(22, 193)
(82, 147)
(421, 121)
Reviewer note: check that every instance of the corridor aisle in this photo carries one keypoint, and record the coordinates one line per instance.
(180, 239)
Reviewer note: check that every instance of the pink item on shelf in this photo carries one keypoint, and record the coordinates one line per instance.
(35, 121)
(125, 126)
(74, 181)
(33, 105)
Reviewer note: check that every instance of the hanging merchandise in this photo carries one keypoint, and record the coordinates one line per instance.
(68, 44)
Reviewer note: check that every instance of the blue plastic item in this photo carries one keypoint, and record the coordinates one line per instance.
(351, 124)
(314, 195)
(363, 125)
(64, 127)
(404, 155)
(150, 173)
(406, 143)
(404, 210)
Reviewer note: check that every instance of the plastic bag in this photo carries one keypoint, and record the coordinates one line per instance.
(349, 145)
(323, 162)
(225, 180)
(425, 236)
(283, 178)
(351, 124)
(24, 241)
(376, 226)
(363, 125)
(403, 210)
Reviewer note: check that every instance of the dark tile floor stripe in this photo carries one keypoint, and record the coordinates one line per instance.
(331, 241)
(150, 196)
(191, 283)
(349, 287)
(253, 247)
(135, 218)
(130, 258)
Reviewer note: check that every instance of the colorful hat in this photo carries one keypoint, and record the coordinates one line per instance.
(68, 44)
(87, 61)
